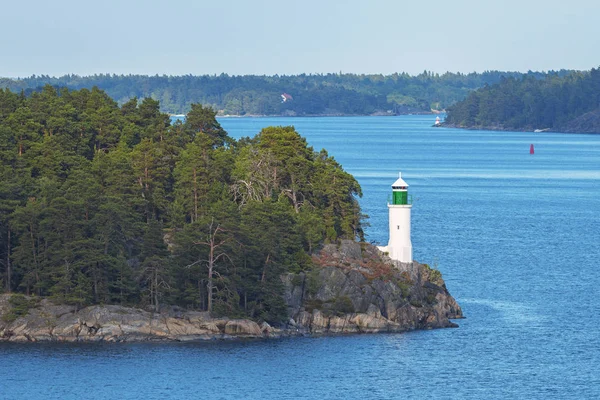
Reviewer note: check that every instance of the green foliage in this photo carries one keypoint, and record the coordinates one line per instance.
(19, 307)
(415, 303)
(404, 288)
(528, 103)
(338, 306)
(313, 304)
(342, 305)
(102, 204)
(313, 94)
(312, 282)
(298, 280)
(435, 276)
(430, 298)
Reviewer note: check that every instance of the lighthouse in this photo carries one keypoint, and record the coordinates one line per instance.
(399, 247)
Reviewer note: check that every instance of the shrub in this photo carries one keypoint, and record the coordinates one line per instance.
(404, 288)
(342, 305)
(431, 299)
(416, 303)
(313, 304)
(313, 282)
(298, 280)
(435, 276)
(19, 307)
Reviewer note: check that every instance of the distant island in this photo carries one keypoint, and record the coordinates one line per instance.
(568, 103)
(285, 95)
(117, 225)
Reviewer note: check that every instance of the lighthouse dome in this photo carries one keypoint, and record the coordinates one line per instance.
(400, 183)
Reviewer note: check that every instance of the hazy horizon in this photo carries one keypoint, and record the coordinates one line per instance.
(313, 37)
(303, 73)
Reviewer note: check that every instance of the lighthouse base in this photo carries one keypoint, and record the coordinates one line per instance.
(402, 254)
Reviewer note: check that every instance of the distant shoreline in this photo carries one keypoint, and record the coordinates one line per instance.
(311, 115)
(503, 129)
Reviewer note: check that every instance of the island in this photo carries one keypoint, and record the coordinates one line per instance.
(556, 103)
(352, 289)
(117, 225)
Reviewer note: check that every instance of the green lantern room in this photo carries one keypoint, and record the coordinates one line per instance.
(400, 192)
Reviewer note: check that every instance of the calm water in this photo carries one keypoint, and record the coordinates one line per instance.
(516, 237)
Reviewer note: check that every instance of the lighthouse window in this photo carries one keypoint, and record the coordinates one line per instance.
(398, 227)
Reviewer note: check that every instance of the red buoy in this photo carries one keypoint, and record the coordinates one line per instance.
(531, 151)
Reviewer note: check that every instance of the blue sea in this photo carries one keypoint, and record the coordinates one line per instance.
(516, 236)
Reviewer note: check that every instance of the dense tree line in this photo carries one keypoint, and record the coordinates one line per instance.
(314, 94)
(528, 103)
(101, 203)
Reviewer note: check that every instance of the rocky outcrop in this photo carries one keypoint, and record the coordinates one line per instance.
(49, 322)
(353, 288)
(357, 289)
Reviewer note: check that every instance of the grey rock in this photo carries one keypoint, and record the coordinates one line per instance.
(385, 295)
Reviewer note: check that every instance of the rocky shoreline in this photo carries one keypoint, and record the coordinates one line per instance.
(352, 289)
(487, 128)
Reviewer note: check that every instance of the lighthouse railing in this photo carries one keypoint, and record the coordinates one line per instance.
(409, 199)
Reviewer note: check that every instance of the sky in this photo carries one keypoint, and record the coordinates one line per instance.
(267, 37)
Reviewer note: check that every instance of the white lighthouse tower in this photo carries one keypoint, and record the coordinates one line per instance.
(399, 247)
